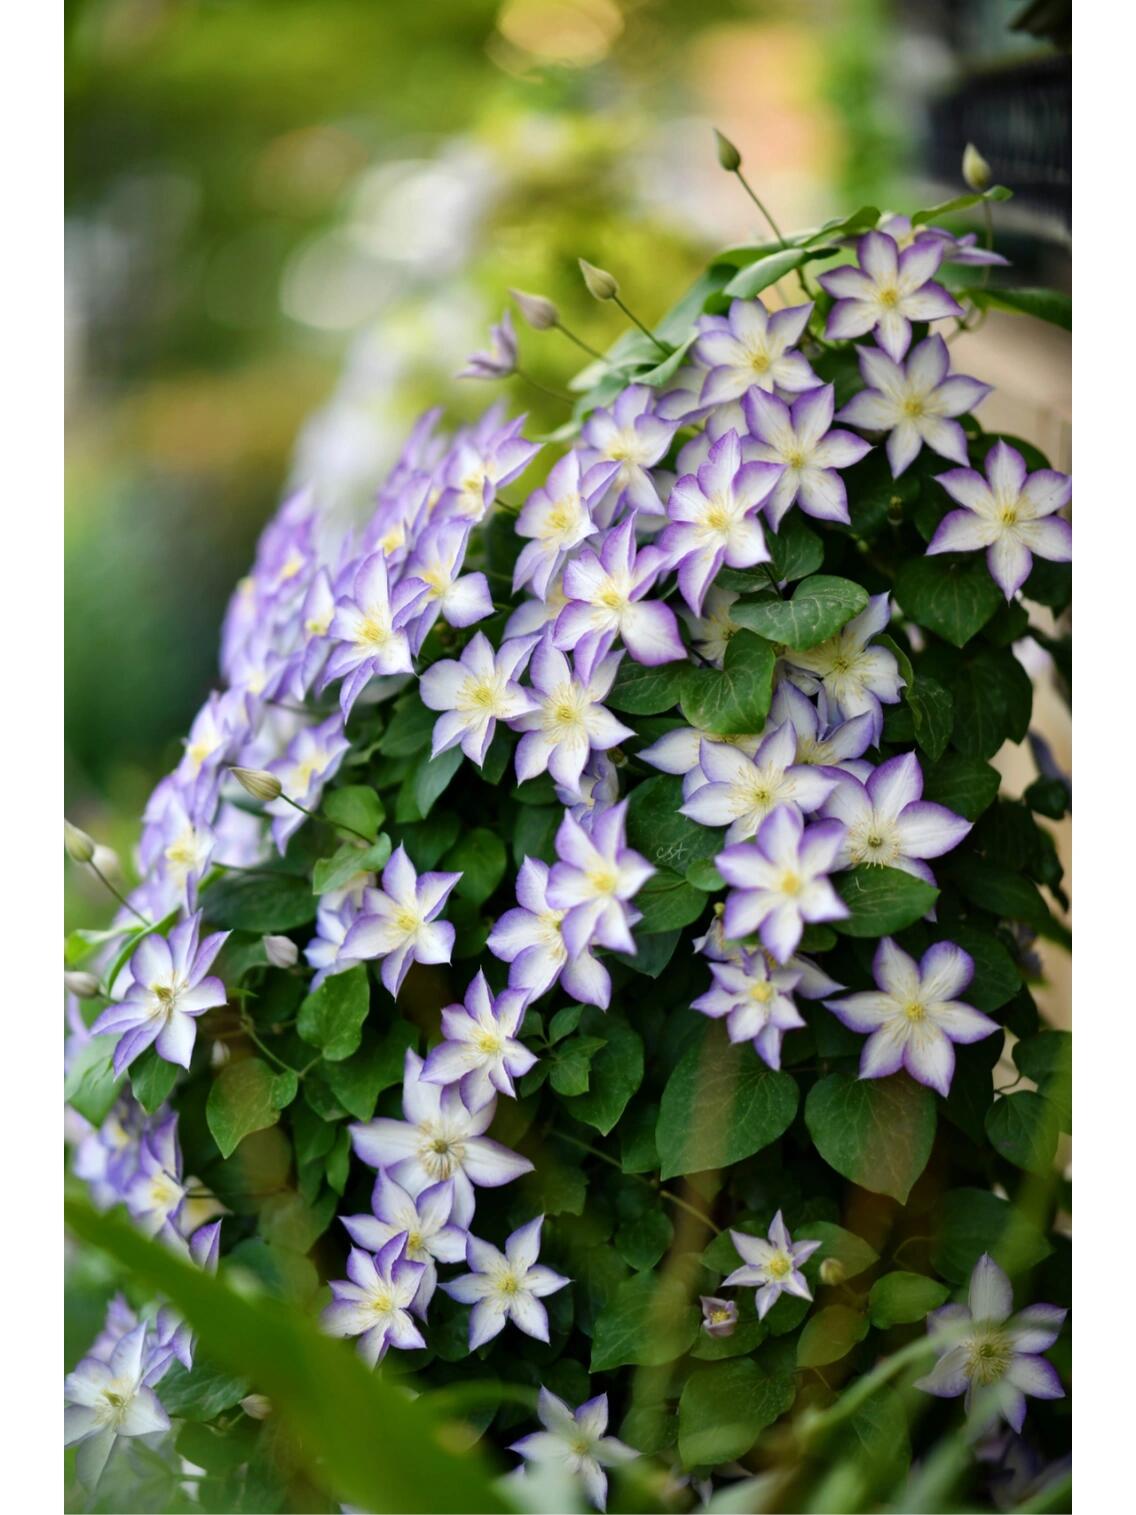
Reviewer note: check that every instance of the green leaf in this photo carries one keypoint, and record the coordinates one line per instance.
(878, 1132)
(261, 902)
(724, 1409)
(996, 978)
(969, 1222)
(1047, 1059)
(764, 271)
(90, 1085)
(570, 1065)
(1045, 304)
(704, 875)
(966, 785)
(1005, 893)
(327, 1400)
(794, 553)
(993, 701)
(79, 945)
(616, 1071)
(245, 1097)
(830, 1335)
(480, 857)
(643, 1239)
(900, 1299)
(348, 863)
(845, 1247)
(720, 1105)
(733, 700)
(332, 1017)
(432, 778)
(649, 1321)
(202, 1392)
(881, 900)
(669, 366)
(1024, 1128)
(410, 729)
(638, 1151)
(643, 690)
(951, 594)
(355, 806)
(960, 202)
(428, 841)
(820, 606)
(933, 711)
(657, 830)
(151, 1079)
(667, 902)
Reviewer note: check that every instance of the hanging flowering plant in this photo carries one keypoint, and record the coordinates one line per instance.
(572, 955)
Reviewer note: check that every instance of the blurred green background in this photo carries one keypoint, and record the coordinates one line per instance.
(290, 220)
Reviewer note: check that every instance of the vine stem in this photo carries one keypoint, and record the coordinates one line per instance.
(120, 897)
(774, 228)
(647, 332)
(580, 343)
(675, 1199)
(555, 394)
(316, 815)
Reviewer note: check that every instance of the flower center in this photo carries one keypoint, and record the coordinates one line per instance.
(382, 1304)
(560, 518)
(718, 516)
(790, 883)
(1008, 515)
(779, 1265)
(488, 1042)
(197, 752)
(915, 1011)
(414, 1247)
(440, 1154)
(580, 1446)
(603, 880)
(719, 1316)
(183, 852)
(373, 632)
(759, 362)
(913, 406)
(889, 297)
(987, 1356)
(761, 992)
(795, 458)
(406, 919)
(480, 694)
(316, 625)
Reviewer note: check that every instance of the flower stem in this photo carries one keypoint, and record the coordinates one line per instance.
(745, 184)
(316, 815)
(675, 1199)
(772, 577)
(119, 896)
(580, 343)
(647, 332)
(555, 394)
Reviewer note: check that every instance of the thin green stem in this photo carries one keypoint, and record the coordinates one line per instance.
(772, 577)
(250, 1032)
(119, 896)
(580, 343)
(647, 332)
(555, 394)
(745, 184)
(316, 815)
(675, 1199)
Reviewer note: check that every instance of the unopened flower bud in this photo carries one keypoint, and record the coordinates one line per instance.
(107, 861)
(258, 782)
(258, 1406)
(83, 985)
(975, 169)
(219, 1054)
(719, 1316)
(832, 1271)
(601, 284)
(80, 847)
(540, 313)
(728, 155)
(281, 951)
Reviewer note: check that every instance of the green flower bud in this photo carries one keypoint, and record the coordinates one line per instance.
(82, 985)
(601, 284)
(975, 169)
(80, 847)
(258, 782)
(728, 155)
(540, 313)
(258, 1406)
(832, 1271)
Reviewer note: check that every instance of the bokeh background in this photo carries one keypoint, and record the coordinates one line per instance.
(289, 220)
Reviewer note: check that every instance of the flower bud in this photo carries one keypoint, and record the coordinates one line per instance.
(258, 1406)
(82, 985)
(601, 284)
(540, 313)
(219, 1054)
(728, 155)
(80, 847)
(975, 169)
(281, 951)
(258, 782)
(832, 1271)
(719, 1316)
(107, 861)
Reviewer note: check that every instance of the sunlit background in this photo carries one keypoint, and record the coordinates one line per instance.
(290, 220)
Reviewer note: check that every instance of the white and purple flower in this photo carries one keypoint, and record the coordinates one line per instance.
(504, 1286)
(855, 676)
(799, 439)
(574, 1442)
(423, 1219)
(748, 346)
(773, 1266)
(558, 517)
(399, 922)
(605, 596)
(887, 822)
(367, 630)
(375, 1300)
(755, 998)
(530, 939)
(566, 719)
(594, 880)
(474, 692)
(741, 791)
(888, 291)
(631, 435)
(779, 882)
(481, 1052)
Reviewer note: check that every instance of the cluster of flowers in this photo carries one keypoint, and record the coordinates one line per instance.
(801, 800)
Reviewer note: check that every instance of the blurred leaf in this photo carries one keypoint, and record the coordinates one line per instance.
(90, 1085)
(649, 1321)
(899, 1299)
(724, 1408)
(829, 1335)
(878, 1132)
(1024, 1128)
(960, 202)
(1045, 304)
(261, 902)
(355, 806)
(332, 1017)
(733, 700)
(481, 860)
(246, 1096)
(968, 1222)
(348, 862)
(151, 1079)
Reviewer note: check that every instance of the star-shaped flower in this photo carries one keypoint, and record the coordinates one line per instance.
(741, 791)
(107, 1400)
(476, 691)
(481, 1052)
(374, 1303)
(800, 440)
(1009, 513)
(887, 292)
(574, 1440)
(566, 720)
(855, 676)
(531, 940)
(594, 880)
(424, 1220)
(756, 1000)
(505, 1286)
(631, 435)
(605, 595)
(914, 1016)
(460, 599)
(773, 1267)
(399, 921)
(748, 346)
(779, 881)
(367, 630)
(558, 517)
(888, 823)
(312, 758)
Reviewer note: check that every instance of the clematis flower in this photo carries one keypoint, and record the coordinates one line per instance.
(991, 1355)
(574, 1440)
(558, 517)
(399, 921)
(741, 791)
(710, 632)
(482, 459)
(155, 1191)
(531, 940)
(178, 845)
(218, 729)
(374, 1302)
(1009, 513)
(915, 402)
(914, 1016)
(680, 752)
(887, 292)
(855, 677)
(594, 879)
(316, 616)
(605, 598)
(566, 719)
(596, 790)
(773, 1267)
(506, 1286)
(719, 1316)
(800, 441)
(475, 692)
(962, 249)
(108, 1400)
(312, 758)
(460, 599)
(888, 823)
(713, 516)
(174, 1340)
(500, 360)
(837, 746)
(756, 1000)
(170, 989)
(424, 1220)
(325, 950)
(748, 346)
(779, 881)
(631, 435)
(439, 1138)
(481, 1052)
(367, 630)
